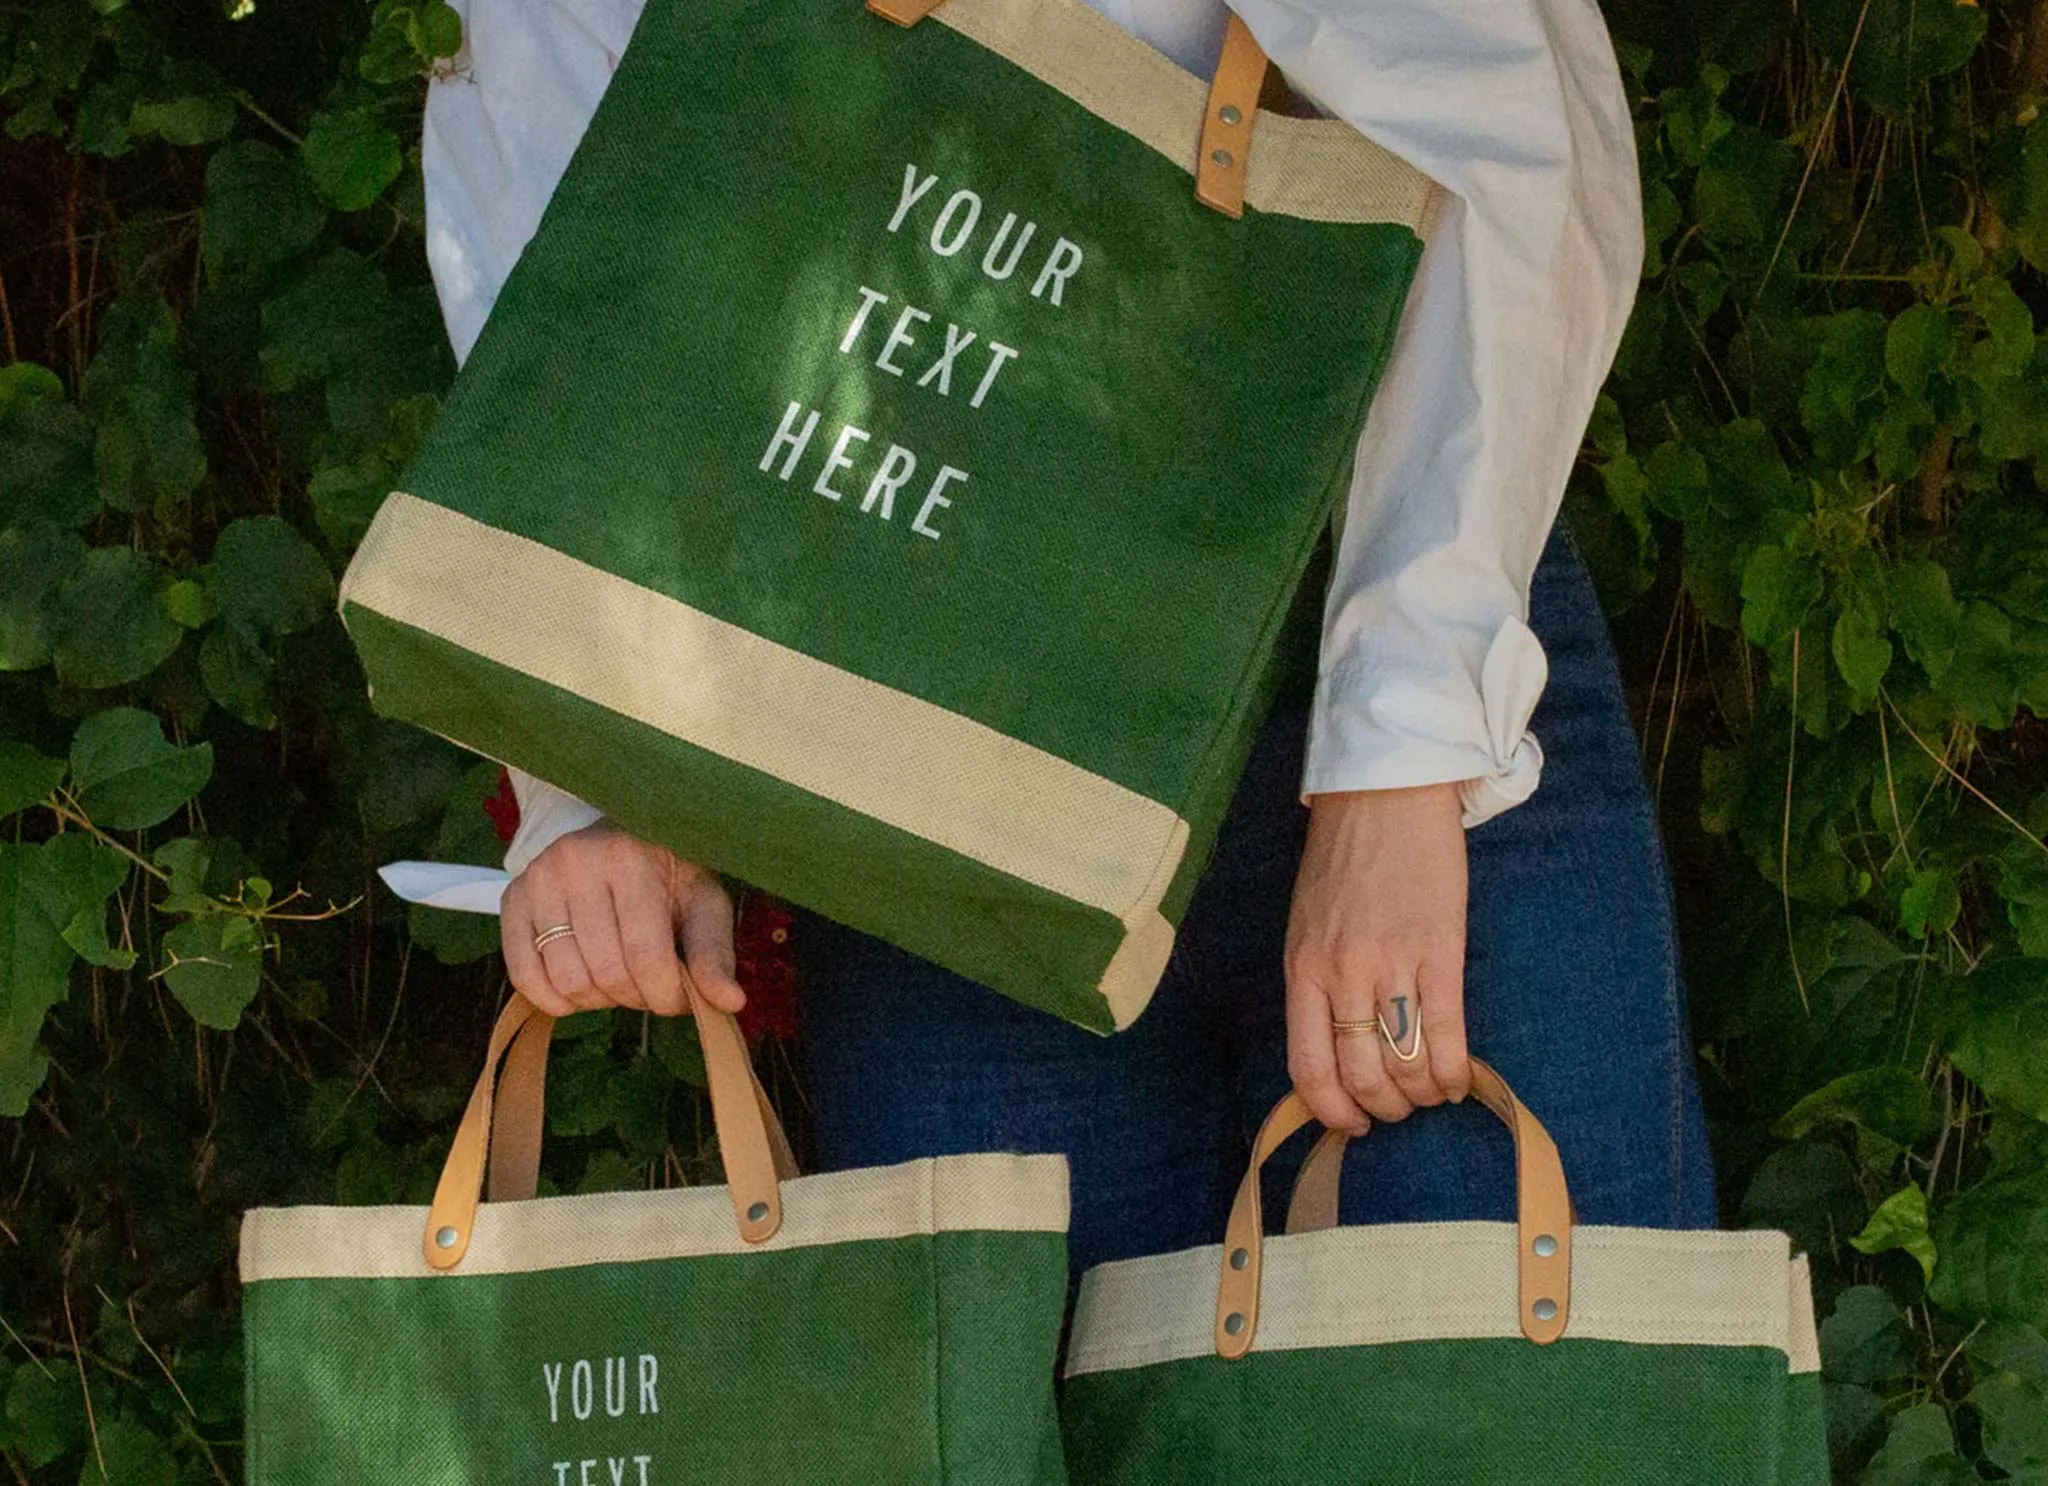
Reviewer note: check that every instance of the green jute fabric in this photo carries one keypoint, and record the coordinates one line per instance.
(1120, 470)
(925, 1359)
(1485, 1412)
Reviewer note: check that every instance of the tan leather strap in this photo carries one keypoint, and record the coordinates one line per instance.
(1227, 125)
(904, 12)
(1544, 1216)
(452, 1215)
(751, 1142)
(520, 1104)
(512, 1173)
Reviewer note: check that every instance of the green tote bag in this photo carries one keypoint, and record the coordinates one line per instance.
(1465, 1354)
(897, 1324)
(883, 480)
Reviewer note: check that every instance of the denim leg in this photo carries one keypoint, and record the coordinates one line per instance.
(904, 1059)
(1572, 978)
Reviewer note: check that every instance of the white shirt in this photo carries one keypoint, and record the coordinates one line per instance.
(1429, 671)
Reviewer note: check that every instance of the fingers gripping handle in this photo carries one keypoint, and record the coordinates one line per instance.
(1543, 1219)
(501, 1127)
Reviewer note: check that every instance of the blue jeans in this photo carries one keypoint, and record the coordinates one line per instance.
(1572, 992)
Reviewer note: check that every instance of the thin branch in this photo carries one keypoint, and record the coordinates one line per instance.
(1785, 837)
(1820, 138)
(92, 1423)
(1951, 771)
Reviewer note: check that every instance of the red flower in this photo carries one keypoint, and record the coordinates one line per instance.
(503, 809)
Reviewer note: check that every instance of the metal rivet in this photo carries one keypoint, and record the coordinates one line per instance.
(1229, 114)
(446, 1237)
(1544, 1310)
(1544, 1246)
(1234, 1322)
(1239, 1258)
(758, 1213)
(1222, 158)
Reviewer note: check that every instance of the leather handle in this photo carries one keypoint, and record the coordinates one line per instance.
(501, 1126)
(1227, 122)
(1544, 1217)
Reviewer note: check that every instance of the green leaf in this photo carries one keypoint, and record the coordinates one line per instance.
(1808, 1190)
(1735, 196)
(1900, 1222)
(269, 578)
(45, 1413)
(134, 1456)
(1863, 653)
(1993, 1241)
(186, 860)
(2024, 886)
(1926, 615)
(674, 1043)
(127, 776)
(1983, 679)
(238, 673)
(1900, 46)
(582, 1088)
(190, 603)
(27, 776)
(1779, 588)
(1888, 1101)
(1917, 346)
(74, 878)
(34, 562)
(2008, 344)
(2015, 1415)
(1919, 1450)
(1845, 385)
(1930, 904)
(1866, 1339)
(260, 210)
(140, 398)
(214, 966)
(46, 452)
(466, 834)
(111, 627)
(351, 158)
(35, 975)
(2001, 1033)
(195, 120)
(407, 37)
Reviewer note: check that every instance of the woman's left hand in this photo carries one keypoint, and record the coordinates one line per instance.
(1378, 930)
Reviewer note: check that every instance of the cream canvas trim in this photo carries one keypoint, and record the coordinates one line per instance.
(999, 1193)
(881, 752)
(1358, 1287)
(1319, 169)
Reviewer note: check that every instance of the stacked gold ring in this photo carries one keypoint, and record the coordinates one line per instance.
(1363, 1028)
(549, 935)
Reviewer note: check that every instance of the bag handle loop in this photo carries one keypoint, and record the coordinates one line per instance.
(1227, 122)
(501, 1128)
(1544, 1216)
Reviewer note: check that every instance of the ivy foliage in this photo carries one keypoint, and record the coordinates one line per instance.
(1813, 497)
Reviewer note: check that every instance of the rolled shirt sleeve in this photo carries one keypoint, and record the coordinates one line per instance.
(1429, 671)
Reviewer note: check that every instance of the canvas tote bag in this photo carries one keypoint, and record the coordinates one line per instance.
(1473, 1353)
(897, 1324)
(883, 480)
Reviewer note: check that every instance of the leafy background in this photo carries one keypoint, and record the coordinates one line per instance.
(1813, 498)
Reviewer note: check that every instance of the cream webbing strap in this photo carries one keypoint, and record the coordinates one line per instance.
(1543, 1216)
(1226, 124)
(754, 1159)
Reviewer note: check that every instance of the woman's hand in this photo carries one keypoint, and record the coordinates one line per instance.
(1378, 930)
(628, 903)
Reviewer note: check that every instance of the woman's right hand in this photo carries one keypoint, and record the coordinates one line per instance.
(628, 903)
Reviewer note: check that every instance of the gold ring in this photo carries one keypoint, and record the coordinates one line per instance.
(548, 936)
(1395, 1048)
(1363, 1028)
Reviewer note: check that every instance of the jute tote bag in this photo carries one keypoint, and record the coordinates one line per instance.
(897, 1324)
(1487, 1353)
(882, 479)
